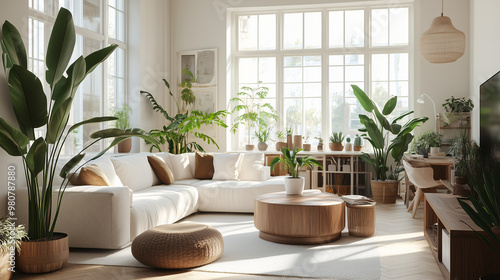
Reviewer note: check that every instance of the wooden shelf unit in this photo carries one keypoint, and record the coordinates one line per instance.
(469, 256)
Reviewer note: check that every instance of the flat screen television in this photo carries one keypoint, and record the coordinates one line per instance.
(489, 133)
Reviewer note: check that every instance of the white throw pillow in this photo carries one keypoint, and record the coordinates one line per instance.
(226, 166)
(105, 164)
(134, 171)
(250, 166)
(181, 166)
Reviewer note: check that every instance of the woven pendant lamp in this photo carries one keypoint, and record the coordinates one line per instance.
(442, 43)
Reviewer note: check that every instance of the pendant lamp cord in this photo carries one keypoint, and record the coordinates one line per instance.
(442, 7)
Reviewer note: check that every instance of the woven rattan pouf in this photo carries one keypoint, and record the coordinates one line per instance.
(178, 245)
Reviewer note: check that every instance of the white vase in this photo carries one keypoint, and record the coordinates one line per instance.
(294, 186)
(435, 150)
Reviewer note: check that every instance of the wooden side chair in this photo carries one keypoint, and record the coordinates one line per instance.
(423, 179)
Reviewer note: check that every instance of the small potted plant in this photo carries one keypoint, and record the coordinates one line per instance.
(357, 143)
(320, 143)
(306, 145)
(336, 141)
(427, 143)
(461, 150)
(10, 238)
(263, 135)
(457, 111)
(294, 185)
(123, 123)
(281, 135)
(289, 138)
(348, 144)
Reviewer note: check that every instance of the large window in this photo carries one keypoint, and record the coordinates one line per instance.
(310, 58)
(98, 23)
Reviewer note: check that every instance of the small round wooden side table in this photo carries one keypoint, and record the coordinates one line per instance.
(361, 219)
(311, 218)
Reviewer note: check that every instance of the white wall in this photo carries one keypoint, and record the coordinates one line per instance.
(485, 50)
(199, 24)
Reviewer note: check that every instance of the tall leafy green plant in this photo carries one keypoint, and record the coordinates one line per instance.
(176, 133)
(378, 130)
(33, 110)
(293, 162)
(123, 116)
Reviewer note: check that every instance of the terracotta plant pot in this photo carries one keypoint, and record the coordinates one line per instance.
(384, 191)
(262, 146)
(297, 141)
(336, 147)
(280, 145)
(320, 146)
(307, 147)
(294, 186)
(357, 148)
(125, 146)
(249, 147)
(43, 256)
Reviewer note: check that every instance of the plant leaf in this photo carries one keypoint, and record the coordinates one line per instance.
(58, 121)
(61, 44)
(70, 165)
(374, 132)
(400, 146)
(92, 120)
(390, 105)
(35, 159)
(13, 46)
(13, 141)
(363, 99)
(94, 59)
(28, 99)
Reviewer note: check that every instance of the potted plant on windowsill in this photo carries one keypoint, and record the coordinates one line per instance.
(47, 250)
(377, 130)
(255, 112)
(427, 143)
(123, 122)
(294, 185)
(320, 143)
(281, 135)
(336, 141)
(263, 135)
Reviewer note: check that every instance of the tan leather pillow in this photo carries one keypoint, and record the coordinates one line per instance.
(203, 166)
(161, 170)
(91, 175)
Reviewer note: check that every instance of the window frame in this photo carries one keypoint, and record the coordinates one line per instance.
(325, 51)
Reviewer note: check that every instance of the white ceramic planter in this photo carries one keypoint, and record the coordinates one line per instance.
(294, 186)
(435, 150)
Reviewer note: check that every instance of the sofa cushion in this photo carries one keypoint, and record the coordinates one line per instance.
(134, 171)
(105, 164)
(161, 170)
(204, 166)
(161, 205)
(234, 196)
(226, 166)
(250, 166)
(180, 165)
(90, 175)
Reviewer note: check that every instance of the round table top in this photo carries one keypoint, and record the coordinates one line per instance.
(308, 198)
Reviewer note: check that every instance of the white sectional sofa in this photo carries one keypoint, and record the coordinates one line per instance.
(110, 217)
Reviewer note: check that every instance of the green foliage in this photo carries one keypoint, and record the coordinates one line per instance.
(461, 151)
(10, 233)
(337, 137)
(377, 130)
(319, 139)
(187, 93)
(123, 116)
(263, 135)
(294, 162)
(289, 131)
(281, 135)
(357, 140)
(40, 155)
(458, 105)
(426, 140)
(253, 111)
(348, 140)
(483, 175)
(176, 133)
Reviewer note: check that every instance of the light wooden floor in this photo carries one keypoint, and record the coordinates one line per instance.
(404, 255)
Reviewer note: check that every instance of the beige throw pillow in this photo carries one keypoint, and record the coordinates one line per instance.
(92, 175)
(161, 170)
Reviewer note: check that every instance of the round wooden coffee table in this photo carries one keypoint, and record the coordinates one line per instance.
(312, 218)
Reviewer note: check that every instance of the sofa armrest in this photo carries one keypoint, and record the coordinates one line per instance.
(92, 216)
(265, 173)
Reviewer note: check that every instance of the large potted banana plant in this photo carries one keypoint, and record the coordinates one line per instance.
(47, 250)
(388, 138)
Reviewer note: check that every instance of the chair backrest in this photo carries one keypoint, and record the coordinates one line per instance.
(421, 177)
